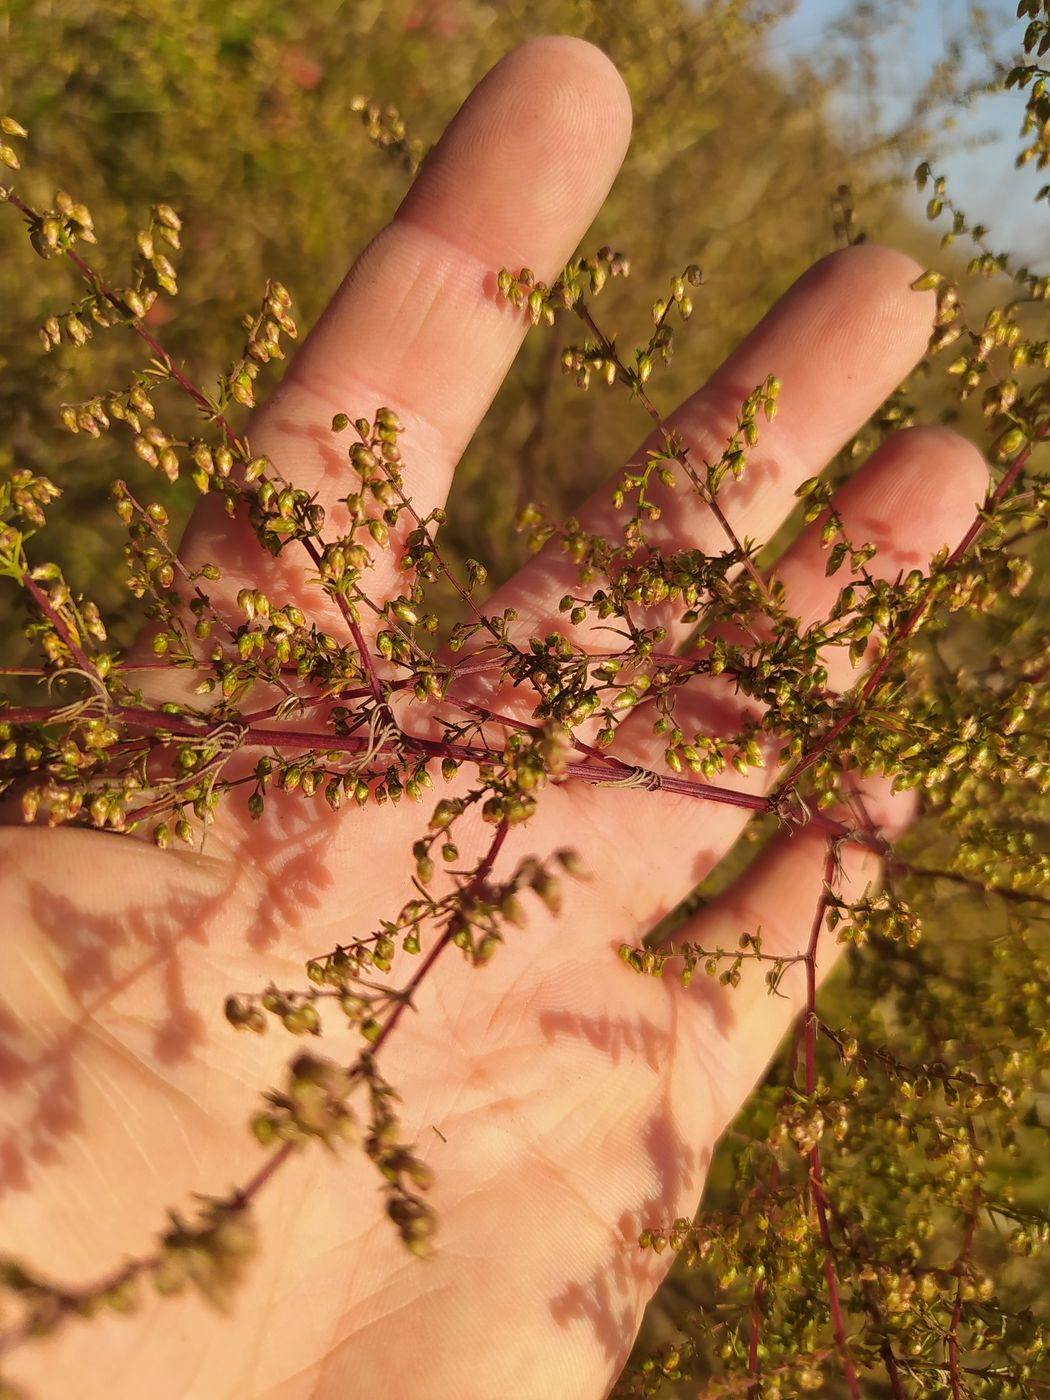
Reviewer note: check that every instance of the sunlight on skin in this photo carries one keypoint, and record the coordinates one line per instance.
(563, 1102)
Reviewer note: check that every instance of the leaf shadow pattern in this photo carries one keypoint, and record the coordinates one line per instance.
(292, 874)
(135, 963)
(94, 959)
(612, 1298)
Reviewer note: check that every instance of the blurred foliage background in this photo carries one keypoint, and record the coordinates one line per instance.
(239, 116)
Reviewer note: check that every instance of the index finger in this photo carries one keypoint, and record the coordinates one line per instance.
(417, 324)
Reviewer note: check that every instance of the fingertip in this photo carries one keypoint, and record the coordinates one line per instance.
(841, 339)
(942, 479)
(878, 263)
(938, 464)
(916, 495)
(526, 163)
(592, 69)
(872, 283)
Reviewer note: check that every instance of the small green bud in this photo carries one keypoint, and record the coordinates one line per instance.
(302, 1019)
(265, 1128)
(165, 214)
(570, 862)
(927, 282)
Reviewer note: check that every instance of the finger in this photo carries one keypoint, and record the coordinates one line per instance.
(839, 340)
(778, 897)
(916, 494)
(417, 324)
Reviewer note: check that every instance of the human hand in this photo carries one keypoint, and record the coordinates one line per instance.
(562, 1102)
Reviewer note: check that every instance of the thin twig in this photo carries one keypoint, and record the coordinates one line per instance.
(968, 1234)
(831, 861)
(681, 454)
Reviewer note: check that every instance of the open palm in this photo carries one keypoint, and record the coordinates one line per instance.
(563, 1102)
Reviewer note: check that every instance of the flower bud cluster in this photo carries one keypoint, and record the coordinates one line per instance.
(312, 1104)
(211, 1254)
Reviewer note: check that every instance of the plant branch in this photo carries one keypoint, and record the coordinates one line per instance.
(681, 454)
(911, 622)
(831, 861)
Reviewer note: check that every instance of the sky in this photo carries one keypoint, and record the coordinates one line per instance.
(979, 170)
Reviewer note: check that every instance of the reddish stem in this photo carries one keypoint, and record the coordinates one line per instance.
(42, 601)
(602, 772)
(474, 885)
(815, 1171)
(953, 1325)
(367, 661)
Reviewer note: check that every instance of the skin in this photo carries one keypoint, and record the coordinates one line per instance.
(563, 1102)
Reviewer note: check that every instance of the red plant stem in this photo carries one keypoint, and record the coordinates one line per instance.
(834, 1304)
(953, 1325)
(522, 726)
(367, 661)
(810, 1038)
(42, 601)
(476, 882)
(815, 1172)
(273, 1164)
(602, 772)
(38, 671)
(893, 1373)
